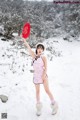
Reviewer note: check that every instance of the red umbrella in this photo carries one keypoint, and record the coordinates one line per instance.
(26, 30)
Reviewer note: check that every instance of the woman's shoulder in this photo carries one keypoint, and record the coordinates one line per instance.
(43, 56)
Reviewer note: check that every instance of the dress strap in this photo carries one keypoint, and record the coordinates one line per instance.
(36, 58)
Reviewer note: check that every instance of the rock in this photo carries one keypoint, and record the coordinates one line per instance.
(3, 39)
(3, 55)
(23, 70)
(16, 84)
(65, 38)
(4, 98)
(32, 71)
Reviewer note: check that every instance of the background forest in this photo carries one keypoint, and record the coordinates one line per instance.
(47, 19)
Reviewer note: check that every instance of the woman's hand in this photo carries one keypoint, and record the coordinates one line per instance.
(44, 75)
(24, 40)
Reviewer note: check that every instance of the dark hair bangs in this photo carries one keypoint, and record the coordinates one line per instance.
(40, 46)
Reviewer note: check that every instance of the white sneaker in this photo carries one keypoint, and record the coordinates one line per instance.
(54, 108)
(38, 107)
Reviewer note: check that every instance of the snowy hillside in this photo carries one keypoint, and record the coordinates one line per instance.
(16, 81)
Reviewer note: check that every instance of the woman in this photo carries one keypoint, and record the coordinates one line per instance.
(40, 76)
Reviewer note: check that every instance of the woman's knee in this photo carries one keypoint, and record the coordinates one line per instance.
(46, 87)
(47, 90)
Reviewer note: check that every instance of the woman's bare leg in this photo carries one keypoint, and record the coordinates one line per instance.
(46, 87)
(38, 104)
(37, 87)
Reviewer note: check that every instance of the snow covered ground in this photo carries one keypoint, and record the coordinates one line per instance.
(16, 81)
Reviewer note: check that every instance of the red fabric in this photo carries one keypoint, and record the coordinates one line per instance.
(26, 30)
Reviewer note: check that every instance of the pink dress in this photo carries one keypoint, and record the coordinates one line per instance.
(38, 66)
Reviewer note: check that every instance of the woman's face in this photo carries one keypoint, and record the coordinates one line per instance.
(39, 51)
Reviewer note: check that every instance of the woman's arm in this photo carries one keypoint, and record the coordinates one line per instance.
(45, 67)
(29, 48)
(45, 64)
